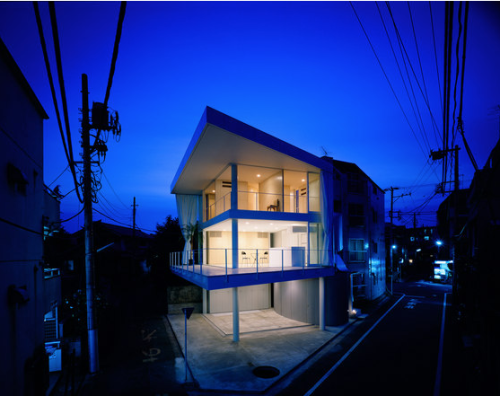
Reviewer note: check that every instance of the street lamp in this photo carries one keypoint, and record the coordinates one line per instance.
(439, 243)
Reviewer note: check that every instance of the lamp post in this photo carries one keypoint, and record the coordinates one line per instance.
(438, 243)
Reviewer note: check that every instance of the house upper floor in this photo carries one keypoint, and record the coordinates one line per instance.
(233, 166)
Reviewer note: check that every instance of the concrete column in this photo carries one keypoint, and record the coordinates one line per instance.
(322, 303)
(234, 245)
(205, 301)
(234, 186)
(236, 316)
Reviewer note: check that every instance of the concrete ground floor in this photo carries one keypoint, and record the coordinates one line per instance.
(266, 339)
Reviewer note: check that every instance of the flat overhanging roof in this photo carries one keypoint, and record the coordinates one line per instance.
(220, 140)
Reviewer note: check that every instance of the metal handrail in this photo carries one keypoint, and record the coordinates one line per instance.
(199, 258)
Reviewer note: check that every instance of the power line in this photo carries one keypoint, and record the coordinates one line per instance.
(397, 62)
(112, 189)
(418, 52)
(435, 57)
(110, 218)
(69, 156)
(387, 78)
(57, 49)
(405, 56)
(121, 17)
(65, 169)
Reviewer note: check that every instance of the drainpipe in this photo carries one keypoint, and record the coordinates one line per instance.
(322, 304)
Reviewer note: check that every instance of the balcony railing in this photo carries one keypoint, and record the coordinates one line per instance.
(260, 201)
(220, 261)
(220, 206)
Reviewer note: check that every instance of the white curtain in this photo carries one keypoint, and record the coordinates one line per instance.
(187, 210)
(327, 215)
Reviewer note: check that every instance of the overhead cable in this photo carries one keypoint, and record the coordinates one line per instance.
(387, 78)
(68, 153)
(435, 57)
(121, 17)
(405, 56)
(57, 49)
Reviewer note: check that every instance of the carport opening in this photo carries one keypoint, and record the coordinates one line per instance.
(266, 372)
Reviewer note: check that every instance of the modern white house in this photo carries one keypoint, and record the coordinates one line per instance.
(269, 232)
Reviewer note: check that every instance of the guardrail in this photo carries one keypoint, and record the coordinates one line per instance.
(220, 261)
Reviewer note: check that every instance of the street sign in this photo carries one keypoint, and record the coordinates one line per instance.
(188, 311)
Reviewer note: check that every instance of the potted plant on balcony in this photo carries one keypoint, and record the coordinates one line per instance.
(193, 234)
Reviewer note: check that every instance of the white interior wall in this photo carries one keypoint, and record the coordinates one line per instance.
(249, 298)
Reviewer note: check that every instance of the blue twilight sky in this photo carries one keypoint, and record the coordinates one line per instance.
(301, 71)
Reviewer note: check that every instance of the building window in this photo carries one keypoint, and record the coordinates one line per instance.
(16, 178)
(355, 184)
(374, 216)
(356, 215)
(374, 189)
(357, 252)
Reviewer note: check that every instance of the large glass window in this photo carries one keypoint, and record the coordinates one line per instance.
(314, 192)
(295, 191)
(260, 188)
(217, 196)
(316, 243)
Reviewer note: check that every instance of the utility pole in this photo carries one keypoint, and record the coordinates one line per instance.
(391, 234)
(133, 214)
(391, 238)
(89, 234)
(443, 154)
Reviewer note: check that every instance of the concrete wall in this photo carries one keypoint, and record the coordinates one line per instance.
(179, 297)
(299, 300)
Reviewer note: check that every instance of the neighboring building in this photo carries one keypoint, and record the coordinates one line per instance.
(478, 271)
(269, 234)
(24, 363)
(120, 252)
(360, 202)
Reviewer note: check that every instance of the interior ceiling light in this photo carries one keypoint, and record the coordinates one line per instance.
(258, 175)
(303, 180)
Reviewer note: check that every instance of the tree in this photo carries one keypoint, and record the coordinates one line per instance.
(168, 239)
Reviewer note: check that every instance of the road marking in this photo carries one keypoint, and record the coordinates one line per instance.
(437, 383)
(330, 372)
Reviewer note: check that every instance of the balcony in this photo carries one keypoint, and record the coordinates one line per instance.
(213, 269)
(260, 201)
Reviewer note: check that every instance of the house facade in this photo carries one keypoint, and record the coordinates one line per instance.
(23, 283)
(268, 235)
(360, 203)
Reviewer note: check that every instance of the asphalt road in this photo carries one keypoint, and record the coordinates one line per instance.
(402, 354)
